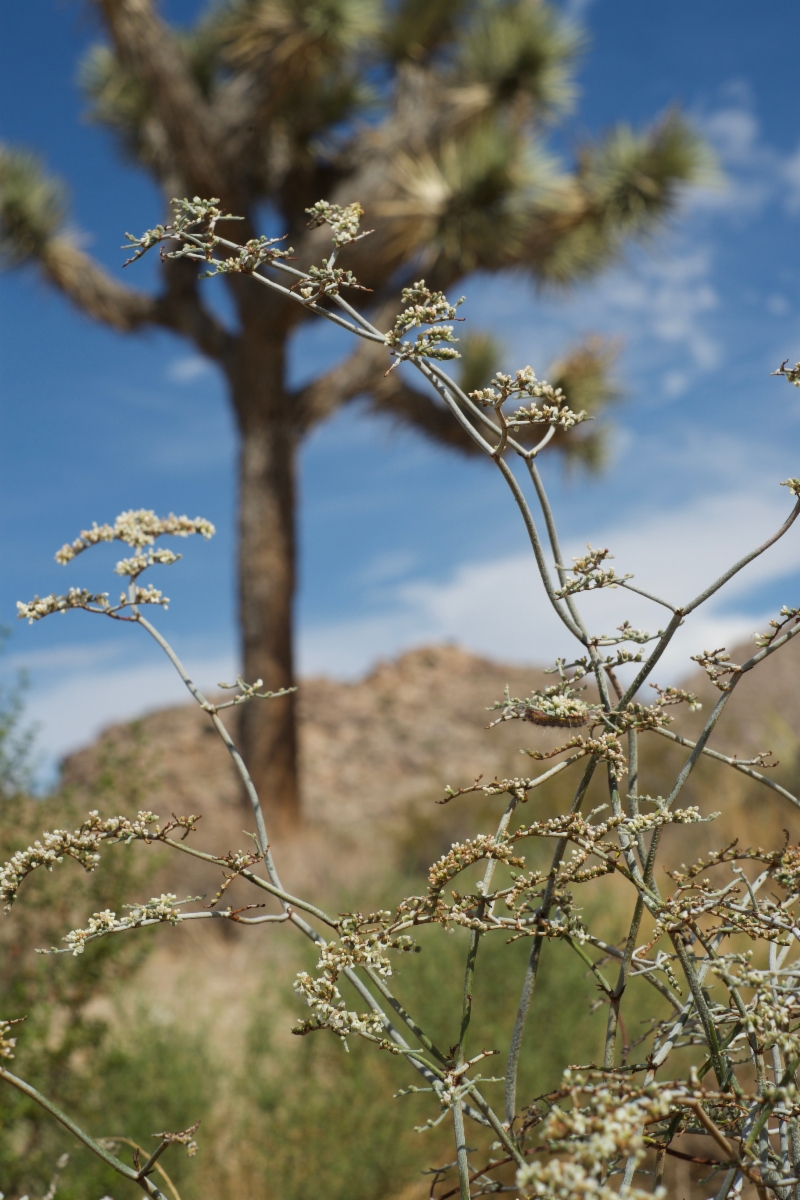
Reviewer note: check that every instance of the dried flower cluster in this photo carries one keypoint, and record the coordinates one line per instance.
(424, 307)
(158, 908)
(344, 221)
(554, 411)
(137, 528)
(588, 574)
(83, 844)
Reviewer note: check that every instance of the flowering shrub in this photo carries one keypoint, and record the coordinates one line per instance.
(718, 946)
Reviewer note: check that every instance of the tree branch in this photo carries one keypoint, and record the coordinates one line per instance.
(147, 46)
(321, 398)
(396, 398)
(180, 309)
(93, 290)
(97, 294)
(362, 374)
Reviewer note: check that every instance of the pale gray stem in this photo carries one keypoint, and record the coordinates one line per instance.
(627, 1178)
(624, 583)
(244, 774)
(461, 1150)
(743, 562)
(555, 546)
(733, 1175)
(107, 1157)
(531, 970)
(731, 762)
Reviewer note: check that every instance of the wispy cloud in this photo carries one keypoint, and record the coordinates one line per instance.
(497, 606)
(188, 368)
(755, 173)
(669, 300)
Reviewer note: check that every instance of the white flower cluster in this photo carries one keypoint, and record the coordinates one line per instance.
(145, 595)
(786, 615)
(326, 281)
(7, 1043)
(97, 602)
(790, 373)
(606, 1129)
(605, 746)
(522, 383)
(717, 664)
(547, 414)
(554, 411)
(664, 816)
(330, 1011)
(252, 255)
(189, 214)
(43, 606)
(158, 908)
(355, 947)
(589, 575)
(460, 856)
(673, 695)
(424, 307)
(140, 562)
(344, 221)
(82, 844)
(557, 706)
(137, 528)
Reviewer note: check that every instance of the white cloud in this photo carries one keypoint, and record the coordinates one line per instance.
(663, 310)
(754, 173)
(672, 296)
(187, 369)
(60, 658)
(576, 10)
(498, 607)
(386, 568)
(734, 133)
(778, 305)
(791, 176)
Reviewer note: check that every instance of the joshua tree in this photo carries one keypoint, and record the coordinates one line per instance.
(431, 113)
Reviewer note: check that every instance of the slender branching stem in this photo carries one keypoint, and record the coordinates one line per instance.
(615, 996)
(354, 948)
(708, 592)
(701, 1004)
(461, 1150)
(731, 762)
(531, 970)
(98, 1150)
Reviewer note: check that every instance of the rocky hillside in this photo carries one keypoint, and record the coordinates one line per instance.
(374, 749)
(375, 755)
(378, 752)
(369, 750)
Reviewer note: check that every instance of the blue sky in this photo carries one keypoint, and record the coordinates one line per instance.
(403, 543)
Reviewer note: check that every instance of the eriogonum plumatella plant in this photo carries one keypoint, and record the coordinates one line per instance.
(717, 943)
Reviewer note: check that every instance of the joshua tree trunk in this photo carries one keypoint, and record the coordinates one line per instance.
(267, 573)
